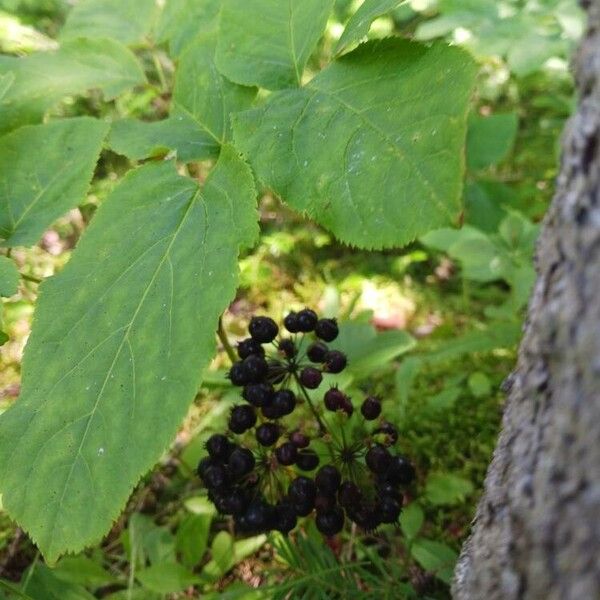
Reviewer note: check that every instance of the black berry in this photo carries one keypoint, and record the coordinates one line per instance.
(267, 434)
(346, 406)
(387, 488)
(259, 517)
(307, 460)
(334, 399)
(349, 494)
(203, 466)
(242, 418)
(311, 378)
(218, 446)
(285, 518)
(330, 522)
(301, 489)
(286, 454)
(378, 459)
(325, 502)
(249, 346)
(234, 502)
(241, 462)
(285, 401)
(328, 479)
(256, 368)
(371, 408)
(258, 394)
(389, 509)
(316, 352)
(400, 471)
(335, 361)
(216, 477)
(327, 329)
(263, 329)
(288, 348)
(299, 439)
(237, 374)
(389, 430)
(291, 322)
(306, 320)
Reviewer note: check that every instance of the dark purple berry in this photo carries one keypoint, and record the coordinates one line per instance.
(334, 399)
(400, 471)
(242, 418)
(335, 361)
(328, 479)
(346, 406)
(303, 508)
(307, 460)
(271, 411)
(218, 446)
(316, 352)
(258, 394)
(378, 459)
(259, 517)
(325, 502)
(267, 434)
(249, 346)
(387, 488)
(389, 430)
(285, 518)
(241, 462)
(330, 522)
(291, 322)
(371, 408)
(307, 319)
(256, 368)
(365, 516)
(216, 477)
(299, 439)
(263, 329)
(288, 348)
(327, 329)
(301, 489)
(235, 502)
(286, 454)
(389, 509)
(203, 466)
(285, 401)
(349, 494)
(311, 378)
(237, 374)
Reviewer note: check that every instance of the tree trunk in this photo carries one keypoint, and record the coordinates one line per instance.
(537, 529)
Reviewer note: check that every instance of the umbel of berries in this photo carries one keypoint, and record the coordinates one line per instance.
(266, 472)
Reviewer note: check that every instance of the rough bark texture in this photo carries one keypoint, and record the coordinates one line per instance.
(537, 528)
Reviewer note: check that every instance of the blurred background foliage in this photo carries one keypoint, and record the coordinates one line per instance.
(432, 328)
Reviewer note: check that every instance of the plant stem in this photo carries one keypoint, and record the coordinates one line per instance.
(225, 341)
(30, 278)
(322, 427)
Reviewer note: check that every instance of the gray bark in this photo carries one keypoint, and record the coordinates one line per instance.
(537, 529)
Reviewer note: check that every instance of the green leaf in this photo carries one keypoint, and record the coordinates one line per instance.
(9, 275)
(180, 133)
(268, 44)
(228, 556)
(35, 192)
(203, 94)
(372, 147)
(167, 578)
(128, 22)
(446, 488)
(182, 20)
(77, 66)
(479, 384)
(192, 538)
(368, 350)
(44, 584)
(490, 139)
(6, 81)
(138, 305)
(435, 557)
(360, 22)
(411, 520)
(84, 571)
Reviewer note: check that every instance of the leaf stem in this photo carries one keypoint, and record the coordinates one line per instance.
(322, 427)
(225, 341)
(30, 278)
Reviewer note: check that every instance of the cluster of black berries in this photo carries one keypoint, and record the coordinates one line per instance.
(264, 482)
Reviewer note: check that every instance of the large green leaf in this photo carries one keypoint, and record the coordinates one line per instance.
(359, 24)
(203, 94)
(43, 78)
(373, 147)
(35, 191)
(268, 43)
(119, 340)
(435, 557)
(127, 22)
(167, 578)
(490, 139)
(182, 20)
